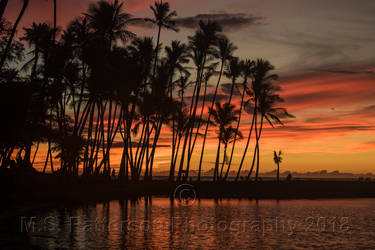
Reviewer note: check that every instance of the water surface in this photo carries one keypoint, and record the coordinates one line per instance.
(217, 224)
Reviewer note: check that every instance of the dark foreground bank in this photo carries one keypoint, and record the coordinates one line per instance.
(34, 188)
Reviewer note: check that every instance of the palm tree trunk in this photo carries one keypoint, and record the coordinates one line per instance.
(246, 147)
(86, 161)
(157, 134)
(255, 148)
(171, 173)
(217, 162)
(46, 161)
(173, 167)
(3, 5)
(35, 153)
(253, 162)
(260, 132)
(222, 165)
(191, 147)
(140, 143)
(110, 138)
(54, 20)
(208, 119)
(14, 29)
(27, 157)
(144, 151)
(278, 172)
(96, 142)
(232, 90)
(141, 147)
(174, 141)
(198, 126)
(174, 152)
(235, 136)
(51, 158)
(157, 51)
(182, 158)
(6, 156)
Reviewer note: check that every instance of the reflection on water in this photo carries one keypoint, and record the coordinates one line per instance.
(217, 224)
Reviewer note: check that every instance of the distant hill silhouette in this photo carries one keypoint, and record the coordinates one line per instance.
(272, 174)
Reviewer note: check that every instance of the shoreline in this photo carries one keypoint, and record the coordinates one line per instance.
(34, 190)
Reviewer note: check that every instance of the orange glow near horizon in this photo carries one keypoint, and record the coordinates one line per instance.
(326, 135)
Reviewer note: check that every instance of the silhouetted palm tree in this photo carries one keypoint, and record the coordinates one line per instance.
(142, 51)
(267, 110)
(277, 158)
(233, 70)
(70, 151)
(163, 18)
(259, 73)
(10, 40)
(89, 85)
(247, 69)
(176, 56)
(166, 107)
(229, 135)
(202, 46)
(182, 83)
(180, 124)
(109, 22)
(40, 37)
(223, 116)
(15, 53)
(225, 51)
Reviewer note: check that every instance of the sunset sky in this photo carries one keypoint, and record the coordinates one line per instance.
(323, 51)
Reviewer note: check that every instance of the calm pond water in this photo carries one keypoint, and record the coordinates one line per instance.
(210, 224)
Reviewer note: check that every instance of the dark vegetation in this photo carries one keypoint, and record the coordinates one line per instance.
(82, 90)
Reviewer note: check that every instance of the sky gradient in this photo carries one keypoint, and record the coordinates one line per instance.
(323, 51)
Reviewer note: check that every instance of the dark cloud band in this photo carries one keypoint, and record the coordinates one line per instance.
(229, 21)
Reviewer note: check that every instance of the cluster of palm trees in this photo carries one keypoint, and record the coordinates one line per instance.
(96, 84)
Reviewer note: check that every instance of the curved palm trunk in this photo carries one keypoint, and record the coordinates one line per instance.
(174, 142)
(253, 162)
(235, 136)
(35, 153)
(189, 130)
(260, 132)
(198, 127)
(208, 119)
(14, 29)
(192, 145)
(36, 60)
(224, 159)
(247, 145)
(255, 148)
(27, 157)
(174, 157)
(232, 90)
(216, 171)
(152, 156)
(157, 51)
(174, 160)
(54, 20)
(3, 5)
